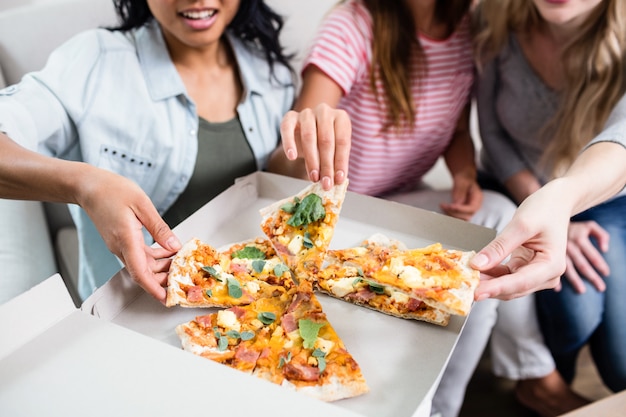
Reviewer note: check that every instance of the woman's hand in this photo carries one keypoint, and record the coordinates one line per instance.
(467, 197)
(119, 210)
(583, 258)
(536, 240)
(322, 137)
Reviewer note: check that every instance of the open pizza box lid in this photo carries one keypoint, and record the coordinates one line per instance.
(119, 354)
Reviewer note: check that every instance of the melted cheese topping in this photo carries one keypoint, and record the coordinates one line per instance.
(228, 320)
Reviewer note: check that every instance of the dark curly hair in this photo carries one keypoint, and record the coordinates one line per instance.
(255, 23)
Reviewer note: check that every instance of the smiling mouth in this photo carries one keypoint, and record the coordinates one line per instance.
(198, 15)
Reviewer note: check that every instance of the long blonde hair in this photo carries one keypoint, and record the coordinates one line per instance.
(593, 63)
(394, 40)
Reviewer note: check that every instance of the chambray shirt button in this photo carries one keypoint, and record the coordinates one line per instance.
(192, 132)
(10, 90)
(183, 178)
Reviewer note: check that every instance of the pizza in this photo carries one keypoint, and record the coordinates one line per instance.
(235, 336)
(273, 327)
(441, 278)
(202, 276)
(301, 227)
(286, 340)
(347, 275)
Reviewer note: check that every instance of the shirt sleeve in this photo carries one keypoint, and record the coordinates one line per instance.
(341, 48)
(39, 111)
(615, 127)
(498, 155)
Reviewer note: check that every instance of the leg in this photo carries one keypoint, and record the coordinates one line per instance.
(518, 353)
(450, 393)
(608, 341)
(448, 399)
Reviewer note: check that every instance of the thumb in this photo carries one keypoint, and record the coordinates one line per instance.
(497, 250)
(158, 229)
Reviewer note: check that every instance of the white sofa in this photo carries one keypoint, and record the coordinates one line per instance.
(40, 239)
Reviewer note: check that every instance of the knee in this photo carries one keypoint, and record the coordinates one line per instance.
(496, 212)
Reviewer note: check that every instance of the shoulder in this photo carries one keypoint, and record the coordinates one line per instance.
(350, 16)
(93, 43)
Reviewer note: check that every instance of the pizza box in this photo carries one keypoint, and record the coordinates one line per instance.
(119, 353)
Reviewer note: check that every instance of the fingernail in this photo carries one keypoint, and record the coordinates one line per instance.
(481, 297)
(340, 176)
(173, 243)
(314, 176)
(479, 260)
(326, 183)
(291, 154)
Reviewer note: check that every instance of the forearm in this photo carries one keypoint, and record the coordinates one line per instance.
(27, 175)
(597, 174)
(521, 185)
(460, 154)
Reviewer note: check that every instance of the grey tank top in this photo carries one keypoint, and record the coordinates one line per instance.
(223, 155)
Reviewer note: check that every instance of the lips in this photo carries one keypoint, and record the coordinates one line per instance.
(198, 14)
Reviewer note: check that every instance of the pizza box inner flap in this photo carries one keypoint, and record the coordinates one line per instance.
(400, 359)
(68, 363)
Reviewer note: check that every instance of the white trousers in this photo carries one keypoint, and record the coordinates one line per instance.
(517, 347)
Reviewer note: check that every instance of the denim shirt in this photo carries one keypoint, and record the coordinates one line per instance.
(116, 101)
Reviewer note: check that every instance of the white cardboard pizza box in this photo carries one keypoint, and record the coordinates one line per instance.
(120, 353)
(59, 361)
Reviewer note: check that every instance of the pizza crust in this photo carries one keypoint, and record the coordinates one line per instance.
(176, 276)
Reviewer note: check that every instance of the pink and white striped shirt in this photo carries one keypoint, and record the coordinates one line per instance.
(383, 162)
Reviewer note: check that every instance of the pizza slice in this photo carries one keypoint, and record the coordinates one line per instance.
(201, 276)
(307, 355)
(441, 278)
(285, 339)
(236, 336)
(347, 275)
(301, 227)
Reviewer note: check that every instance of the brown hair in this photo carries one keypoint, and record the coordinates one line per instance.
(394, 41)
(593, 62)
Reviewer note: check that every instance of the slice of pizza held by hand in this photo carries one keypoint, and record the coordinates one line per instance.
(441, 278)
(347, 275)
(201, 276)
(286, 340)
(301, 227)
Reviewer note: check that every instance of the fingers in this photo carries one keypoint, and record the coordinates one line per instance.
(156, 226)
(523, 282)
(466, 201)
(288, 132)
(343, 135)
(572, 276)
(139, 263)
(149, 266)
(325, 146)
(585, 258)
(322, 137)
(498, 249)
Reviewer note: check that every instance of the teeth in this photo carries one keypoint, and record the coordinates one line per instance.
(197, 15)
